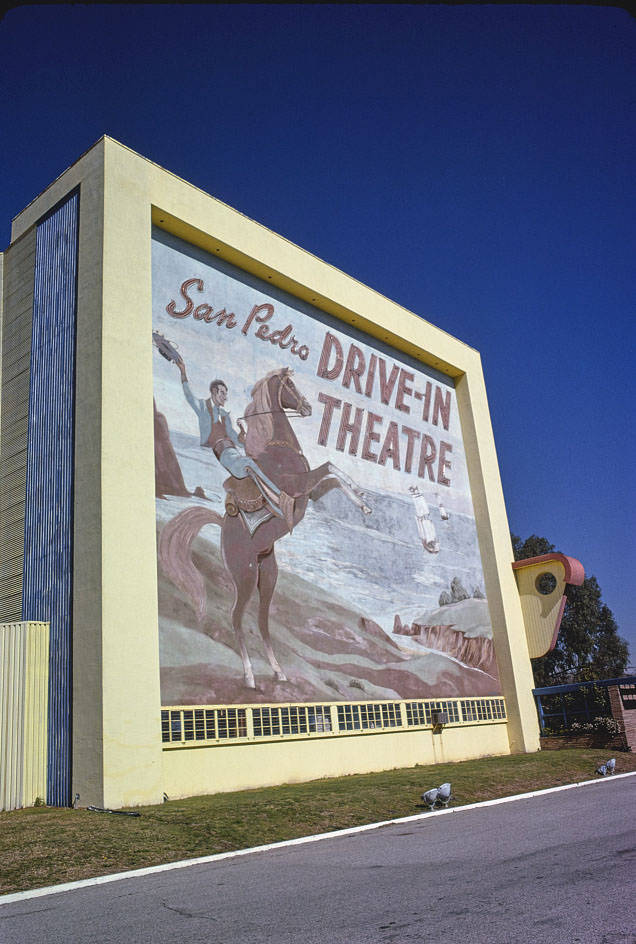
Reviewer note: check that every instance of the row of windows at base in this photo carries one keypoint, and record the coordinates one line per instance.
(185, 725)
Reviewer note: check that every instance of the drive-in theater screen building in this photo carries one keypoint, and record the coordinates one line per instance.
(256, 505)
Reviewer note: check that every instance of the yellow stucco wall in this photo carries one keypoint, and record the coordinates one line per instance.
(220, 769)
(117, 749)
(116, 726)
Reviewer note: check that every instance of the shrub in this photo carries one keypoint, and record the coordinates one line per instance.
(607, 726)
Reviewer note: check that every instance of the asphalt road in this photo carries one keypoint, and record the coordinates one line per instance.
(554, 868)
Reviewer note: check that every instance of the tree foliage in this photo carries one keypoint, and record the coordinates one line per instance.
(588, 645)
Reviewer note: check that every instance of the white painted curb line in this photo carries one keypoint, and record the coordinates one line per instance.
(220, 856)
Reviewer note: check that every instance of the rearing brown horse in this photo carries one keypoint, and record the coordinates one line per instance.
(250, 559)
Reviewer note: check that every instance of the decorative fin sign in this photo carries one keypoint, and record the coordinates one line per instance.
(541, 582)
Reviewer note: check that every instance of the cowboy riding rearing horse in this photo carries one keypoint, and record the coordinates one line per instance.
(218, 434)
(249, 555)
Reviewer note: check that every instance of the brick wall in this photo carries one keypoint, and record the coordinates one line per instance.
(558, 743)
(621, 696)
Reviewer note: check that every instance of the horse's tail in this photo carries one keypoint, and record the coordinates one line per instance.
(175, 552)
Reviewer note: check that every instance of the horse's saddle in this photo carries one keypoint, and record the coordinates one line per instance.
(243, 494)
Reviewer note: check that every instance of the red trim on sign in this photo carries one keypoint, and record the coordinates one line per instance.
(574, 570)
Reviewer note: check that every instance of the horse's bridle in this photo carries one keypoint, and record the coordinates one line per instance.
(284, 382)
(289, 411)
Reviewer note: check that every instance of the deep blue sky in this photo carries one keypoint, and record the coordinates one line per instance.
(475, 164)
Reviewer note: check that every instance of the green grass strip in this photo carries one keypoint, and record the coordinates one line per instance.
(44, 846)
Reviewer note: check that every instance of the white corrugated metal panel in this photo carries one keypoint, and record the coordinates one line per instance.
(12, 655)
(24, 677)
(36, 714)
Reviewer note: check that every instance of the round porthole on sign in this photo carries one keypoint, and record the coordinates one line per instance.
(545, 583)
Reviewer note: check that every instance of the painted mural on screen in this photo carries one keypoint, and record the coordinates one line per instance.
(316, 532)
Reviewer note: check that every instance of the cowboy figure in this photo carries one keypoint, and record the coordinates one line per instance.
(217, 433)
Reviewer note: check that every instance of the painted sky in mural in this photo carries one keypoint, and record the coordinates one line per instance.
(380, 590)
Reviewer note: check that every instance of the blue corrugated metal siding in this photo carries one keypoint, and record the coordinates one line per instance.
(48, 527)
